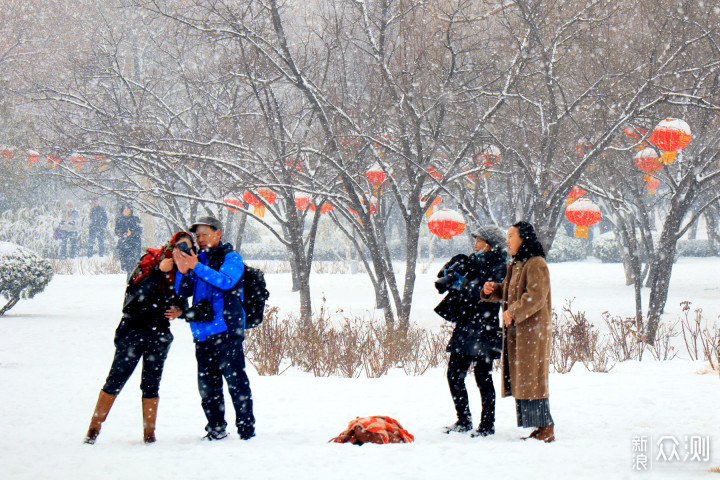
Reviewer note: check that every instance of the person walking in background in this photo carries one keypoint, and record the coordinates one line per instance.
(96, 229)
(129, 232)
(144, 332)
(476, 338)
(217, 321)
(527, 330)
(69, 226)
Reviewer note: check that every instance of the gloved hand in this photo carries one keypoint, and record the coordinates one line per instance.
(459, 281)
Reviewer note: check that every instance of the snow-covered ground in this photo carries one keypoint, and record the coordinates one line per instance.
(55, 351)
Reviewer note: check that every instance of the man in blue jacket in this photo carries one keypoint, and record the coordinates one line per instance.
(217, 321)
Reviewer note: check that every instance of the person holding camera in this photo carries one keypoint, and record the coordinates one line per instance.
(527, 330)
(144, 332)
(476, 337)
(217, 321)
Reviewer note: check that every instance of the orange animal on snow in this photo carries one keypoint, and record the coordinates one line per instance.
(376, 429)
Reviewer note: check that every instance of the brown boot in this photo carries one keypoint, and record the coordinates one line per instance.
(546, 434)
(532, 435)
(149, 407)
(104, 403)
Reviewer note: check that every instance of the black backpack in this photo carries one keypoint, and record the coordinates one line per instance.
(255, 294)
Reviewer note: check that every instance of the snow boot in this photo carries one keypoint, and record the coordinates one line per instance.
(104, 403)
(461, 426)
(149, 407)
(487, 420)
(546, 434)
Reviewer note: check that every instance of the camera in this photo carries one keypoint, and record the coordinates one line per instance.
(459, 264)
(184, 247)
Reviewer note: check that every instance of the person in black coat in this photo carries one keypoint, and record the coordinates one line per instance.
(128, 229)
(477, 337)
(144, 332)
(96, 229)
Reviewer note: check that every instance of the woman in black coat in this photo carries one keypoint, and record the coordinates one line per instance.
(476, 338)
(144, 332)
(128, 229)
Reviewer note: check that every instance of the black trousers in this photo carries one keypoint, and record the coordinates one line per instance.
(131, 345)
(458, 367)
(219, 356)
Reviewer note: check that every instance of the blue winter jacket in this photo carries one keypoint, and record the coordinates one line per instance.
(221, 285)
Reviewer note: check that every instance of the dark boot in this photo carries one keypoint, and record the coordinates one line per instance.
(487, 420)
(149, 406)
(461, 426)
(104, 403)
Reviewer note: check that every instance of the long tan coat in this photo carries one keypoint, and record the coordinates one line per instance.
(525, 293)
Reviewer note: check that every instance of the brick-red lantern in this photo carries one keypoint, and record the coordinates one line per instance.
(78, 160)
(376, 177)
(652, 185)
(436, 201)
(324, 208)
(302, 201)
(54, 161)
(648, 161)
(258, 208)
(233, 201)
(446, 223)
(583, 213)
(575, 193)
(102, 161)
(671, 135)
(32, 158)
(435, 173)
(7, 153)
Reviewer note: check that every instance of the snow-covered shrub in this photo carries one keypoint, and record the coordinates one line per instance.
(606, 249)
(567, 249)
(23, 274)
(695, 248)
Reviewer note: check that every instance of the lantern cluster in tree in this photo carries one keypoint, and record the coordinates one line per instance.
(671, 135)
(583, 213)
(575, 193)
(446, 223)
(648, 161)
(376, 176)
(436, 201)
(302, 201)
(491, 157)
(324, 208)
(258, 207)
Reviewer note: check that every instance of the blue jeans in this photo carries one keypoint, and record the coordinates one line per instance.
(222, 355)
(92, 236)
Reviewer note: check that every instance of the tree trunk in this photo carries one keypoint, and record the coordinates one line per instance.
(10, 304)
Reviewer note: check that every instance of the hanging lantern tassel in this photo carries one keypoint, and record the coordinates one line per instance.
(668, 157)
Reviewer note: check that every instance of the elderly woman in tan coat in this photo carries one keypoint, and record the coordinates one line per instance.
(527, 330)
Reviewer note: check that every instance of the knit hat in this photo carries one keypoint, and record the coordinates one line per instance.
(492, 234)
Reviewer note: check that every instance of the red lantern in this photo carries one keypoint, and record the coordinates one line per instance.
(7, 153)
(575, 193)
(78, 160)
(648, 161)
(102, 161)
(233, 201)
(32, 158)
(376, 176)
(583, 213)
(302, 201)
(671, 135)
(435, 173)
(652, 185)
(258, 207)
(54, 161)
(326, 207)
(446, 223)
(436, 201)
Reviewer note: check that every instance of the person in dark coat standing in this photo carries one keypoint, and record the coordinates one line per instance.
(96, 229)
(527, 330)
(144, 332)
(128, 229)
(476, 338)
(69, 226)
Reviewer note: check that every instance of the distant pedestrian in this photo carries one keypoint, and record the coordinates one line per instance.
(129, 232)
(527, 330)
(96, 229)
(144, 333)
(68, 230)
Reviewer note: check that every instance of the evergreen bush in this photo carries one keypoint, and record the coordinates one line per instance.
(23, 274)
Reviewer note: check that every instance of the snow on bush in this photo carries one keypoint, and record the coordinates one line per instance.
(567, 249)
(695, 248)
(606, 248)
(23, 274)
